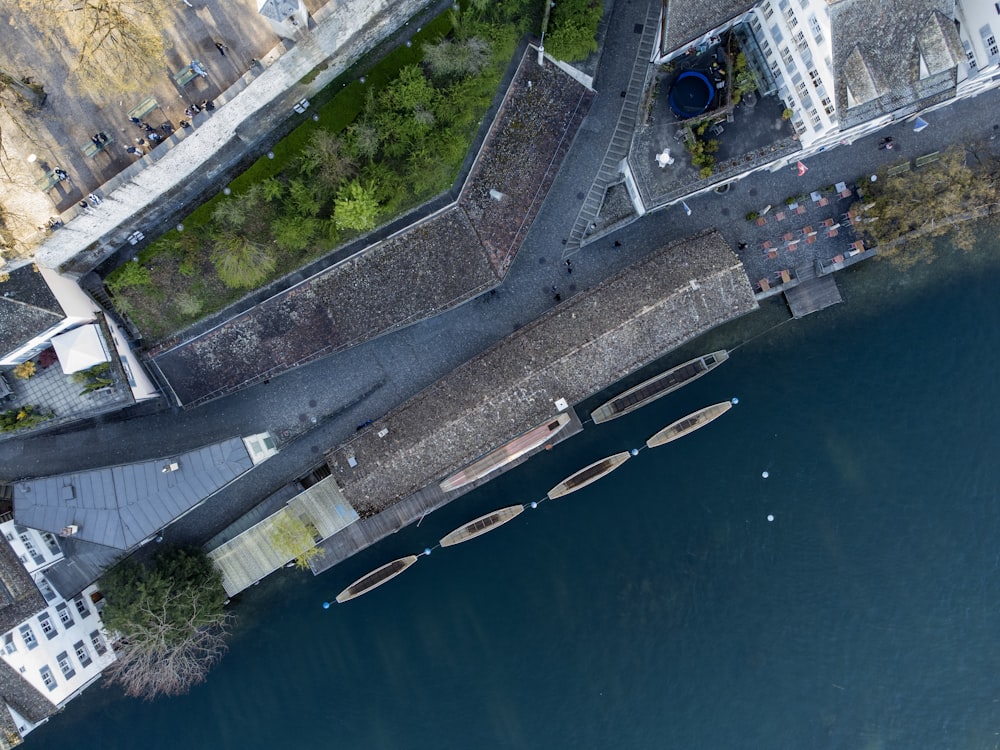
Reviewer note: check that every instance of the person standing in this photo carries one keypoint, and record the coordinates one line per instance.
(222, 48)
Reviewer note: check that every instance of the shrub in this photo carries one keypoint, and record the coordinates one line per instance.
(752, 216)
(129, 275)
(24, 370)
(242, 263)
(356, 207)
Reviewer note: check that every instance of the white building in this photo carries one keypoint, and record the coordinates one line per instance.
(53, 648)
(846, 68)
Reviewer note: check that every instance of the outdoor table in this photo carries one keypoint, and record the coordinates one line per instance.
(786, 276)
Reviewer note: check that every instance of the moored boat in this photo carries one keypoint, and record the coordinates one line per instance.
(588, 475)
(505, 454)
(481, 525)
(376, 578)
(660, 385)
(688, 424)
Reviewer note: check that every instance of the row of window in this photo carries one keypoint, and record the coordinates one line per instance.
(65, 663)
(47, 626)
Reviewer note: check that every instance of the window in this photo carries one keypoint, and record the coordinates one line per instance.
(817, 32)
(65, 666)
(51, 541)
(755, 24)
(814, 116)
(786, 57)
(766, 48)
(768, 11)
(814, 77)
(8, 643)
(969, 55)
(827, 105)
(28, 636)
(82, 654)
(98, 643)
(800, 40)
(64, 616)
(991, 44)
(46, 589)
(775, 70)
(801, 88)
(47, 677)
(81, 607)
(47, 627)
(790, 17)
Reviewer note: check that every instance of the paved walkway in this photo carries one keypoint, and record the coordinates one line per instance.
(344, 390)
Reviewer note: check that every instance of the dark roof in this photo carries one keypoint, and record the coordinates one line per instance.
(579, 347)
(911, 62)
(22, 696)
(120, 506)
(19, 596)
(27, 307)
(687, 20)
(83, 563)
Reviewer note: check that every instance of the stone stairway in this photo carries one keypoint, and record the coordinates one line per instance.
(621, 138)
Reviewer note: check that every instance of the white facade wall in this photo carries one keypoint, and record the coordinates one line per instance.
(979, 30)
(795, 38)
(64, 648)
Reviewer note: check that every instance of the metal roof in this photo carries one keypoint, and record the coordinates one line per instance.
(120, 506)
(27, 308)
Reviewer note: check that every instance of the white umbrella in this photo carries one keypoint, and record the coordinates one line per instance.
(80, 349)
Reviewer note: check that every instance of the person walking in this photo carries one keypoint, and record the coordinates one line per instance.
(221, 47)
(61, 174)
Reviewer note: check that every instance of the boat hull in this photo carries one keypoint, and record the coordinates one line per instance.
(588, 475)
(690, 423)
(376, 578)
(505, 454)
(658, 386)
(481, 525)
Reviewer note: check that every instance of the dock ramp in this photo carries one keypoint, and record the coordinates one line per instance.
(813, 295)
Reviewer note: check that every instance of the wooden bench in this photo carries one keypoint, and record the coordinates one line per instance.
(143, 108)
(47, 182)
(91, 149)
(928, 158)
(185, 75)
(899, 169)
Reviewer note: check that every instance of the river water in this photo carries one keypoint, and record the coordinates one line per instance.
(660, 607)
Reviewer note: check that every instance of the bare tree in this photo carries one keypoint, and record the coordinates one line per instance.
(167, 622)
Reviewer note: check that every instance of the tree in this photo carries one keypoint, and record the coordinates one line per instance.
(295, 538)
(117, 44)
(293, 233)
(356, 207)
(923, 203)
(240, 262)
(167, 621)
(449, 59)
(325, 163)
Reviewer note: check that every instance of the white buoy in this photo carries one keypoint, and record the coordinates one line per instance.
(770, 518)
(634, 451)
(534, 504)
(427, 550)
(734, 400)
(765, 474)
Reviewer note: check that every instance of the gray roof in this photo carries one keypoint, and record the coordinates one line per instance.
(278, 10)
(120, 506)
(19, 596)
(912, 62)
(687, 20)
(27, 307)
(82, 564)
(22, 696)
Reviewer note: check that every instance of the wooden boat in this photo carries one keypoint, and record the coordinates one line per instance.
(376, 578)
(660, 385)
(588, 475)
(505, 454)
(481, 525)
(688, 424)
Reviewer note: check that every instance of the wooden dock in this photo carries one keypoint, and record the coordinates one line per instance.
(813, 295)
(367, 531)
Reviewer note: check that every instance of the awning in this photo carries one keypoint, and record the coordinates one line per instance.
(80, 349)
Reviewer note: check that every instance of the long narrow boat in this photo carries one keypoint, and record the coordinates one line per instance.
(688, 424)
(505, 454)
(588, 475)
(481, 525)
(376, 578)
(658, 386)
